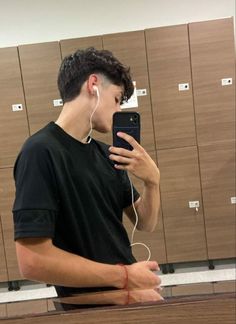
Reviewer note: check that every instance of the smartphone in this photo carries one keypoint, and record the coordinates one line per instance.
(126, 122)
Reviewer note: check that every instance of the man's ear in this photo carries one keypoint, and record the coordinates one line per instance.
(92, 83)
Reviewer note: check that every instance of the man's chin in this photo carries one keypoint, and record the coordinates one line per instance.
(103, 129)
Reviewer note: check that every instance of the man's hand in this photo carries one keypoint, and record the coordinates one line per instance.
(144, 295)
(141, 275)
(137, 161)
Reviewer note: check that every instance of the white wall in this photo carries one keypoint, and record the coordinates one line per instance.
(32, 21)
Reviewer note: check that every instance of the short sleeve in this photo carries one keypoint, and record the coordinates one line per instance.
(36, 199)
(127, 190)
(34, 223)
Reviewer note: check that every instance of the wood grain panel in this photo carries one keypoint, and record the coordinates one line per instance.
(13, 125)
(3, 310)
(130, 49)
(180, 183)
(179, 310)
(168, 66)
(154, 240)
(7, 191)
(193, 289)
(226, 286)
(3, 265)
(217, 163)
(27, 307)
(40, 64)
(213, 58)
(69, 46)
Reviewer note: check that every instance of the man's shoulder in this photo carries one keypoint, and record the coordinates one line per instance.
(39, 141)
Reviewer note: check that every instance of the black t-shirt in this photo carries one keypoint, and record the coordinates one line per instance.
(71, 192)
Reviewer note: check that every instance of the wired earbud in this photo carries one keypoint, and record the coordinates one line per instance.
(88, 138)
(95, 88)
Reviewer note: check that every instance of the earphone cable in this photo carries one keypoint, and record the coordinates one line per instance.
(90, 120)
(136, 223)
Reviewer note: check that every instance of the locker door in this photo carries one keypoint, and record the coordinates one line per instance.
(155, 240)
(217, 163)
(3, 310)
(69, 46)
(40, 64)
(180, 184)
(13, 124)
(213, 59)
(3, 266)
(171, 88)
(6, 202)
(130, 49)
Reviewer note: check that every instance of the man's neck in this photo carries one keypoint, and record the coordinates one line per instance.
(74, 120)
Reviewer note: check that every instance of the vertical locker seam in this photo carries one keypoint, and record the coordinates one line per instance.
(195, 123)
(23, 88)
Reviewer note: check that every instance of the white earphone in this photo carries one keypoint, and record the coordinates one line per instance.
(96, 89)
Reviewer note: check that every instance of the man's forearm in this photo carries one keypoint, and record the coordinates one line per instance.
(148, 207)
(47, 263)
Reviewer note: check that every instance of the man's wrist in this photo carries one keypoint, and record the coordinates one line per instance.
(125, 276)
(118, 277)
(153, 181)
(152, 184)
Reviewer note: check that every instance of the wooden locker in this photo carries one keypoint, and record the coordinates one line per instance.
(180, 184)
(130, 49)
(224, 286)
(154, 240)
(69, 46)
(13, 124)
(213, 59)
(169, 68)
(3, 310)
(7, 196)
(40, 64)
(217, 164)
(3, 265)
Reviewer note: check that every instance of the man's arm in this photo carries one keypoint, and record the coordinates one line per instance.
(114, 297)
(147, 207)
(140, 164)
(41, 261)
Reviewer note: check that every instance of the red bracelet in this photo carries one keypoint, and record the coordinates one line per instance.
(126, 276)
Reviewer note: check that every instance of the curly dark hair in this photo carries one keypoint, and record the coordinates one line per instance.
(76, 68)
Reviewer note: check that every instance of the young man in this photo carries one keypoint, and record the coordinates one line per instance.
(71, 190)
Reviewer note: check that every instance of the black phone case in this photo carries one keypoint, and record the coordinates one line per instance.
(126, 122)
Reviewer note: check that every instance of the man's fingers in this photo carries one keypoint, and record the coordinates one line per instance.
(129, 139)
(153, 266)
(120, 151)
(119, 159)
